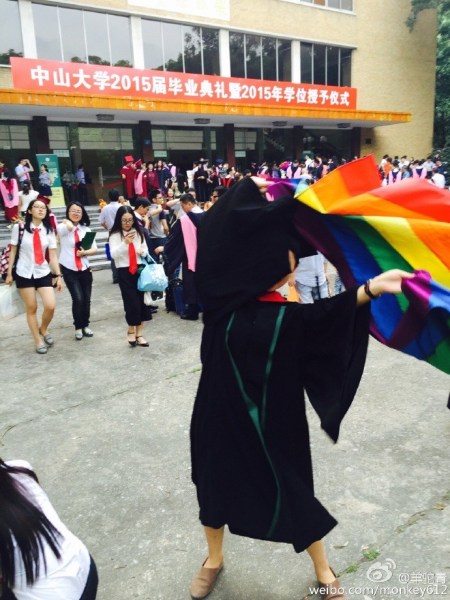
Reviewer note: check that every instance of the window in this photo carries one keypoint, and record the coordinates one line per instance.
(153, 52)
(325, 65)
(11, 39)
(74, 47)
(259, 57)
(48, 42)
(336, 4)
(14, 137)
(180, 48)
(100, 39)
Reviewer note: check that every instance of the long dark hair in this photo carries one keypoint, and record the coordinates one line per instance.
(45, 221)
(85, 220)
(24, 524)
(117, 227)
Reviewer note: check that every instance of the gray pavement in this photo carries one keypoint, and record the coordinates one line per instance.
(106, 427)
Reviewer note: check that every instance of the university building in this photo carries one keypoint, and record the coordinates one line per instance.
(94, 80)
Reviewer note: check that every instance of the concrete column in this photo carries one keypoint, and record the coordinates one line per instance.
(145, 140)
(27, 27)
(228, 134)
(355, 142)
(137, 42)
(295, 61)
(39, 141)
(224, 53)
(74, 144)
(297, 141)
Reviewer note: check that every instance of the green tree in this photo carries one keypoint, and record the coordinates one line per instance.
(417, 6)
(4, 56)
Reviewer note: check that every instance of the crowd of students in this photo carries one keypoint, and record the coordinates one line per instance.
(139, 226)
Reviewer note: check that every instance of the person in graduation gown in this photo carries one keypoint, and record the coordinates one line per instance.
(251, 459)
(180, 248)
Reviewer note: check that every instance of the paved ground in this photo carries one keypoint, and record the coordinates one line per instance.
(107, 429)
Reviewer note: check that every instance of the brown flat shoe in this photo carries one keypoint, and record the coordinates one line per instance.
(331, 591)
(204, 582)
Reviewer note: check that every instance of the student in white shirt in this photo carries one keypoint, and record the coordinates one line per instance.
(33, 274)
(40, 559)
(23, 170)
(310, 279)
(75, 266)
(127, 246)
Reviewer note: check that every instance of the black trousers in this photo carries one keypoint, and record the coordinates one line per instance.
(133, 300)
(79, 284)
(90, 590)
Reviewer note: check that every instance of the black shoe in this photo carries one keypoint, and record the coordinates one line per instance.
(153, 311)
(187, 317)
(153, 306)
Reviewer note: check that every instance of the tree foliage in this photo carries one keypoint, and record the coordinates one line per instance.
(417, 6)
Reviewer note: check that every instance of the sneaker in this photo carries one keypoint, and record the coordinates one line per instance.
(78, 334)
(87, 332)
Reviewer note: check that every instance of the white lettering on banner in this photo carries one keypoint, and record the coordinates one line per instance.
(313, 96)
(40, 75)
(159, 85)
(191, 88)
(289, 94)
(177, 87)
(334, 97)
(102, 80)
(277, 93)
(61, 78)
(301, 95)
(219, 89)
(206, 89)
(235, 90)
(82, 78)
(345, 98)
(323, 96)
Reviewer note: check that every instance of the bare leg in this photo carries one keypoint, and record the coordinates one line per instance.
(140, 339)
(131, 334)
(47, 295)
(214, 539)
(28, 296)
(319, 557)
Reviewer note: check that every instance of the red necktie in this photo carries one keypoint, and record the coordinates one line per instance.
(132, 258)
(37, 247)
(78, 262)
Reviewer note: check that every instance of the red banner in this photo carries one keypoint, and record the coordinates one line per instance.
(54, 76)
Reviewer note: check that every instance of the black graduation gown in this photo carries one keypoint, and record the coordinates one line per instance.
(251, 460)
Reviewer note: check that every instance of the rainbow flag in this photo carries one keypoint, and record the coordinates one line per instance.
(364, 229)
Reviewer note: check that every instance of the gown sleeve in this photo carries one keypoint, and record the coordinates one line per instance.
(333, 355)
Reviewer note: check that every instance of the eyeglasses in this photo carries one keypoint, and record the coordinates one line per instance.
(126, 221)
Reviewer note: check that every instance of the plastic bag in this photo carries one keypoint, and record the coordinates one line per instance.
(148, 298)
(11, 303)
(152, 277)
